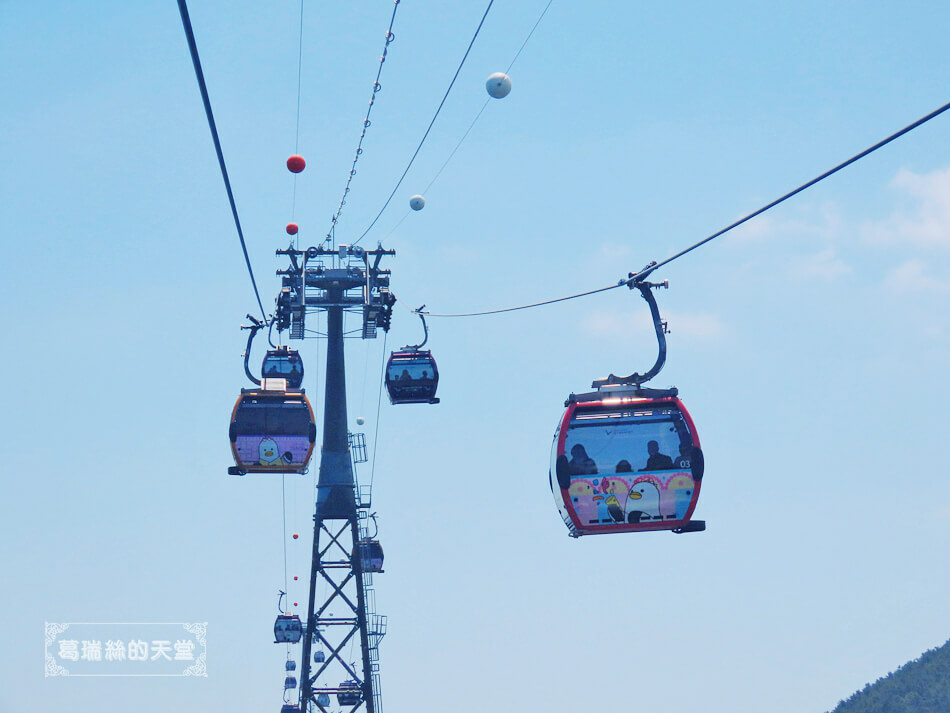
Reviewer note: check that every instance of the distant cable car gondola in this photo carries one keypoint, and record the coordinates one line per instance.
(371, 554)
(288, 629)
(626, 458)
(323, 699)
(289, 708)
(319, 656)
(283, 363)
(290, 683)
(412, 376)
(291, 665)
(349, 694)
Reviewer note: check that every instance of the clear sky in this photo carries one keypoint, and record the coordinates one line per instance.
(810, 347)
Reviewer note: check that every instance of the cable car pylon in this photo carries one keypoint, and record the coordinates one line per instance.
(345, 614)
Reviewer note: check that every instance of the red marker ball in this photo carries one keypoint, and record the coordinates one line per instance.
(295, 577)
(292, 228)
(295, 603)
(296, 164)
(296, 535)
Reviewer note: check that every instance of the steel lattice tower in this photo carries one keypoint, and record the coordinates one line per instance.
(341, 510)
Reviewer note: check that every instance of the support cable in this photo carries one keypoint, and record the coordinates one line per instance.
(283, 503)
(293, 208)
(379, 401)
(431, 123)
(193, 47)
(366, 123)
(634, 278)
(474, 121)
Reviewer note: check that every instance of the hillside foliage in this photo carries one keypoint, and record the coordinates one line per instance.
(919, 686)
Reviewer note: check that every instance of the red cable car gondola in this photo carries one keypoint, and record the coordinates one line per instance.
(626, 458)
(626, 461)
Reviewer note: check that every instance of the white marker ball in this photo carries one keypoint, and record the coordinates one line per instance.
(417, 202)
(498, 85)
(360, 420)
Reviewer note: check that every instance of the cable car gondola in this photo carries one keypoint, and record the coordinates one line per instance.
(323, 699)
(349, 694)
(412, 376)
(283, 363)
(288, 629)
(289, 708)
(272, 430)
(371, 554)
(626, 458)
(290, 683)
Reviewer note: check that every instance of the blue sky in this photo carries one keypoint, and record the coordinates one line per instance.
(810, 346)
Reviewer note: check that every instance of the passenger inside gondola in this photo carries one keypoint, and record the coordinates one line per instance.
(580, 463)
(624, 467)
(657, 460)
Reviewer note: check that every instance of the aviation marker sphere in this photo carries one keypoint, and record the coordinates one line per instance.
(295, 603)
(295, 577)
(498, 85)
(296, 535)
(296, 163)
(292, 228)
(360, 420)
(417, 202)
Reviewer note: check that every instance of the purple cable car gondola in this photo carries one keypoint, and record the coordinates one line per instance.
(272, 430)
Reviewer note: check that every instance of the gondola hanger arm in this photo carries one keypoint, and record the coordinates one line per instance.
(638, 281)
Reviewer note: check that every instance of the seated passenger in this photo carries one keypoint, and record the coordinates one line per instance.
(657, 460)
(624, 467)
(580, 463)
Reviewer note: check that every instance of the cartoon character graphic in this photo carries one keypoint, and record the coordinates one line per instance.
(582, 493)
(681, 487)
(269, 454)
(614, 509)
(615, 494)
(643, 501)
